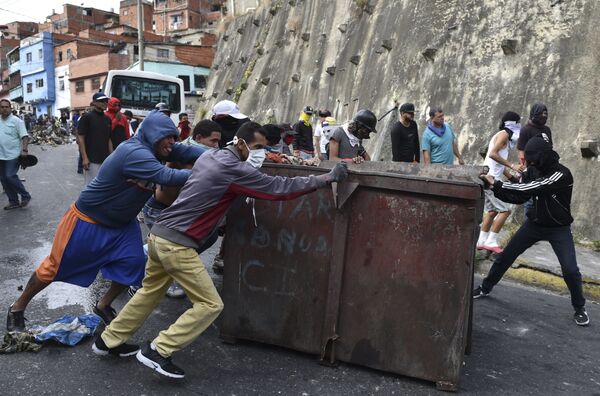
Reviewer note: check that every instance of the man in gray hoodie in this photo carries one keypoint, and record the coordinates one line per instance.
(217, 179)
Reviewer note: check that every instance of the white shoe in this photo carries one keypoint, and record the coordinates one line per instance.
(175, 291)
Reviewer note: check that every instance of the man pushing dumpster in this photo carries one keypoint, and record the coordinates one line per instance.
(550, 184)
(100, 231)
(217, 179)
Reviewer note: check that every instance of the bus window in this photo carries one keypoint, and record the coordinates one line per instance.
(144, 94)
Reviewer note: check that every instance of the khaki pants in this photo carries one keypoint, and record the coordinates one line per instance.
(168, 261)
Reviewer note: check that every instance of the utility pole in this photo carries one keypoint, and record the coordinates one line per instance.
(140, 34)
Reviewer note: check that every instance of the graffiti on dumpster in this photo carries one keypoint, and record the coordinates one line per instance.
(280, 249)
(281, 287)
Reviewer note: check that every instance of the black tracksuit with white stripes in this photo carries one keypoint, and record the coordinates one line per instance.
(549, 220)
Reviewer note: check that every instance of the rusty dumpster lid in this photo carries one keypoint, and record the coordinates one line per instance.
(446, 173)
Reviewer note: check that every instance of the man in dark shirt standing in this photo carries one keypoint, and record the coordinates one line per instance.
(536, 126)
(227, 114)
(405, 136)
(93, 134)
(303, 140)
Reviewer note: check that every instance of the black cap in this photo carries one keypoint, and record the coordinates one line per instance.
(27, 160)
(308, 110)
(407, 108)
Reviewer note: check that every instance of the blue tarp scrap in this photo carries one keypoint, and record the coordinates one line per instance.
(69, 329)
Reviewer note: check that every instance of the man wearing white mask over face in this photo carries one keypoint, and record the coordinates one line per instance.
(217, 179)
(497, 211)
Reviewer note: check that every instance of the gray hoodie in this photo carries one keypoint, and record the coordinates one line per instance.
(218, 177)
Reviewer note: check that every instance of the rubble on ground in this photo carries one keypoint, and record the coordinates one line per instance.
(49, 135)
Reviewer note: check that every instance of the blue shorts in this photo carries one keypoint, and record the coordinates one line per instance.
(82, 248)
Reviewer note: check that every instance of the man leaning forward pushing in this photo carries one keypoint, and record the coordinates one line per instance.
(217, 179)
(100, 232)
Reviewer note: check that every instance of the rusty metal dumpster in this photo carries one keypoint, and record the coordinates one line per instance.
(381, 276)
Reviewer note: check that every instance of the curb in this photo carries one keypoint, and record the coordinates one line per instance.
(526, 274)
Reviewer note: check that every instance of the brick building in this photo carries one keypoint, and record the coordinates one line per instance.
(128, 13)
(6, 46)
(88, 74)
(65, 54)
(19, 30)
(75, 18)
(179, 15)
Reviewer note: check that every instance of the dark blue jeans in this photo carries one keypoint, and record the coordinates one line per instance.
(560, 239)
(10, 181)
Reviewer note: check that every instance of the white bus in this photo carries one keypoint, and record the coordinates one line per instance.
(140, 91)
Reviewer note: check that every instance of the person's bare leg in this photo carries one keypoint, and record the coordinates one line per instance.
(488, 220)
(113, 292)
(499, 221)
(33, 287)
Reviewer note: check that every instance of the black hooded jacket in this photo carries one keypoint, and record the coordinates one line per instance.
(533, 127)
(549, 183)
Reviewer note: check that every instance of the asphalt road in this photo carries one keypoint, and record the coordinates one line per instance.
(524, 339)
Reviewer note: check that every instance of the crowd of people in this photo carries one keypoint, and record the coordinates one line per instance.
(183, 180)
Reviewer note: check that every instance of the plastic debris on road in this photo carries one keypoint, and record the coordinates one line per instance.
(69, 329)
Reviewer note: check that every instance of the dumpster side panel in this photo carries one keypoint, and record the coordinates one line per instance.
(406, 283)
(276, 274)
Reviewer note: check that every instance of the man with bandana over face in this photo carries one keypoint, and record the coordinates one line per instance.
(550, 186)
(218, 178)
(497, 211)
(100, 232)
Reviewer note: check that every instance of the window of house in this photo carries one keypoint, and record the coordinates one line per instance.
(176, 18)
(29, 57)
(29, 88)
(96, 83)
(39, 83)
(40, 54)
(125, 12)
(199, 81)
(61, 83)
(69, 54)
(79, 87)
(163, 53)
(186, 83)
(60, 56)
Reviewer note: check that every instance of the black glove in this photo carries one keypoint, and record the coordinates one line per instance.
(339, 173)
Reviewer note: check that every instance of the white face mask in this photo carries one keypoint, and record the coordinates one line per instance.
(256, 157)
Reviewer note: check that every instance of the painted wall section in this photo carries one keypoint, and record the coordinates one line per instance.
(37, 72)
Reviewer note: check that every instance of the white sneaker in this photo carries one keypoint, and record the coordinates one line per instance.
(175, 291)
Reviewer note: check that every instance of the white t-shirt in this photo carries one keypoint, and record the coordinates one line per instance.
(496, 168)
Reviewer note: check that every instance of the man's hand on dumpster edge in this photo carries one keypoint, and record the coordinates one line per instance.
(488, 180)
(338, 173)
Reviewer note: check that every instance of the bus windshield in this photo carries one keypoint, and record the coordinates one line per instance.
(144, 94)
